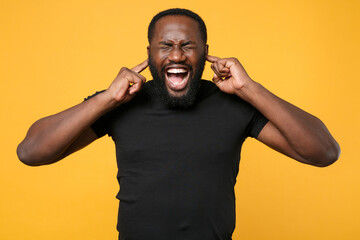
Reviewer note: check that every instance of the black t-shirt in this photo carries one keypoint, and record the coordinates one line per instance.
(177, 167)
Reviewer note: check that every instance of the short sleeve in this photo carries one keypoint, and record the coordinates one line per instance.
(100, 125)
(256, 124)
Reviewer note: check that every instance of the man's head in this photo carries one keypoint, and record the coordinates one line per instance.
(177, 53)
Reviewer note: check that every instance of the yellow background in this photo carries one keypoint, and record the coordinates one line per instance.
(55, 53)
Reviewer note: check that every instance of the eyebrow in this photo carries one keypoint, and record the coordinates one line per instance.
(185, 43)
(165, 43)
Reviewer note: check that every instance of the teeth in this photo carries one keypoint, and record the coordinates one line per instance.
(176, 70)
(177, 84)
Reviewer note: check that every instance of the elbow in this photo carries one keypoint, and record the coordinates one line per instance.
(33, 158)
(25, 157)
(330, 156)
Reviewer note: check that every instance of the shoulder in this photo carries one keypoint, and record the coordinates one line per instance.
(207, 87)
(230, 105)
(209, 91)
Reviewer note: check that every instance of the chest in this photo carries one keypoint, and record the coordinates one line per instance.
(201, 133)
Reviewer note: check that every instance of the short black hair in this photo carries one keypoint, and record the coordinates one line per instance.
(177, 12)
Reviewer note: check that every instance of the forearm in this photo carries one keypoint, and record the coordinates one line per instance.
(292, 131)
(305, 133)
(56, 136)
(49, 137)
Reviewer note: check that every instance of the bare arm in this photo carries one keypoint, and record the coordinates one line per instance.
(290, 130)
(49, 138)
(54, 137)
(307, 137)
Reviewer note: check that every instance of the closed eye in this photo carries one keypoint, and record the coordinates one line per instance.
(188, 45)
(165, 45)
(185, 45)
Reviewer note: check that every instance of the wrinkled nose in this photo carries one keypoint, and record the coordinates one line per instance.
(177, 55)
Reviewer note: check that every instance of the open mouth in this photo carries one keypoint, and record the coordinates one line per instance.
(177, 77)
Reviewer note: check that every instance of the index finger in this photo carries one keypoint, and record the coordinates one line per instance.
(212, 59)
(139, 68)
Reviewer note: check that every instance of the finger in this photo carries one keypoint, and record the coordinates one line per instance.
(211, 59)
(134, 78)
(222, 65)
(222, 68)
(141, 67)
(142, 78)
(134, 88)
(219, 69)
(215, 69)
(216, 79)
(135, 85)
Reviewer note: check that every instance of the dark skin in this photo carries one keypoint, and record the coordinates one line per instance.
(52, 138)
(290, 130)
(177, 42)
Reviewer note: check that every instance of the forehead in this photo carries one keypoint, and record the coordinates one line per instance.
(176, 28)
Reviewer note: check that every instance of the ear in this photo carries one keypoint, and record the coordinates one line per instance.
(206, 49)
(148, 50)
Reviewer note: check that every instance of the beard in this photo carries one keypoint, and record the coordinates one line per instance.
(186, 100)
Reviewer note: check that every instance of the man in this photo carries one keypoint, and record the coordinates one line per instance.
(178, 138)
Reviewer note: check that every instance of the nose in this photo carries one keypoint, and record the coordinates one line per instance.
(177, 55)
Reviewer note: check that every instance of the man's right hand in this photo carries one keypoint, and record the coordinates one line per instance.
(127, 83)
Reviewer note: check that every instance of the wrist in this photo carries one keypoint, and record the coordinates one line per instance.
(106, 101)
(249, 90)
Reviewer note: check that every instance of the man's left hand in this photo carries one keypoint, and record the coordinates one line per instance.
(229, 74)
